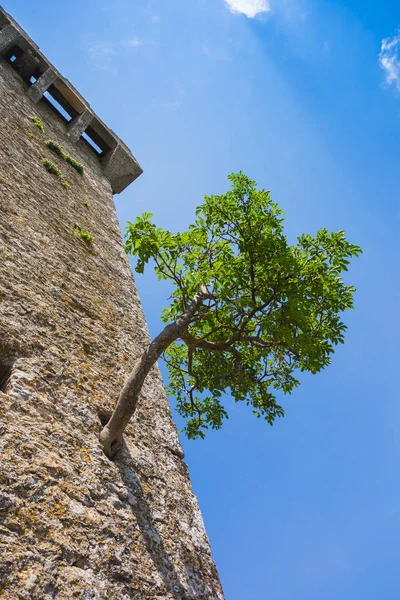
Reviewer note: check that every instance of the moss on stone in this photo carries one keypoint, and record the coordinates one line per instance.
(38, 123)
(51, 168)
(56, 148)
(84, 235)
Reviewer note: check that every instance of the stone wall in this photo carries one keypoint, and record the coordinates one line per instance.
(72, 523)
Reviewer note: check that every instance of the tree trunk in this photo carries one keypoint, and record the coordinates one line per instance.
(111, 435)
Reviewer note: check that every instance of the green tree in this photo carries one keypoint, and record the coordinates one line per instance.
(248, 311)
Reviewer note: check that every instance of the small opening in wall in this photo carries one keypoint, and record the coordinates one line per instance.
(32, 79)
(12, 54)
(57, 106)
(96, 141)
(92, 143)
(5, 372)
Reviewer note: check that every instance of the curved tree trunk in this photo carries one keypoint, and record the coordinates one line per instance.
(111, 435)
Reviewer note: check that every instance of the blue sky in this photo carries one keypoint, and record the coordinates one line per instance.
(304, 97)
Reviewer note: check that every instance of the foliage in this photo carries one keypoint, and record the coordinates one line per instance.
(32, 135)
(274, 311)
(74, 164)
(38, 123)
(51, 168)
(56, 148)
(86, 204)
(84, 235)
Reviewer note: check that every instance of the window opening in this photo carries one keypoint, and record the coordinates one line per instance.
(12, 54)
(92, 143)
(57, 106)
(96, 141)
(33, 79)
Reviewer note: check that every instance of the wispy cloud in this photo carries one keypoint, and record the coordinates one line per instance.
(250, 8)
(327, 48)
(103, 53)
(100, 49)
(134, 42)
(100, 54)
(389, 59)
(177, 101)
(214, 52)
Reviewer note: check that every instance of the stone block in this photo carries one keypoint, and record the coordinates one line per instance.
(36, 91)
(9, 35)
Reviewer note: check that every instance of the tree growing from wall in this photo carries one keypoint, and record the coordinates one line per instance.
(248, 311)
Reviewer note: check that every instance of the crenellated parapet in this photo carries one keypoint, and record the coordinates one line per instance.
(44, 81)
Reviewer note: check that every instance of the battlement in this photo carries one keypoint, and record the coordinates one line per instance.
(43, 81)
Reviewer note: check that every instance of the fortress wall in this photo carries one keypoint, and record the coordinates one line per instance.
(72, 523)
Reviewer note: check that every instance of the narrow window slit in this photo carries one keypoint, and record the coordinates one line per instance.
(57, 106)
(92, 143)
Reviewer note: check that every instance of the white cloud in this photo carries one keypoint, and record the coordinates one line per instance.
(100, 54)
(135, 42)
(250, 8)
(100, 49)
(389, 59)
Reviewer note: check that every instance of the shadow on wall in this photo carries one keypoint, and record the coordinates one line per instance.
(142, 513)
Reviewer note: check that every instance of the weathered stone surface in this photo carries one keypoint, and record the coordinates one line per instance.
(9, 36)
(36, 91)
(78, 125)
(72, 523)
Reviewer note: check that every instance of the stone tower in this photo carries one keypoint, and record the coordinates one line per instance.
(72, 523)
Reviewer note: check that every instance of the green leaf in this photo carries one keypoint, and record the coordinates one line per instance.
(276, 309)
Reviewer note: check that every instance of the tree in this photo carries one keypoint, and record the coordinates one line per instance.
(248, 311)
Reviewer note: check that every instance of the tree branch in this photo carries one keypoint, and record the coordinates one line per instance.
(111, 435)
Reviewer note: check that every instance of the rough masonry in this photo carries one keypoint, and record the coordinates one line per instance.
(72, 523)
